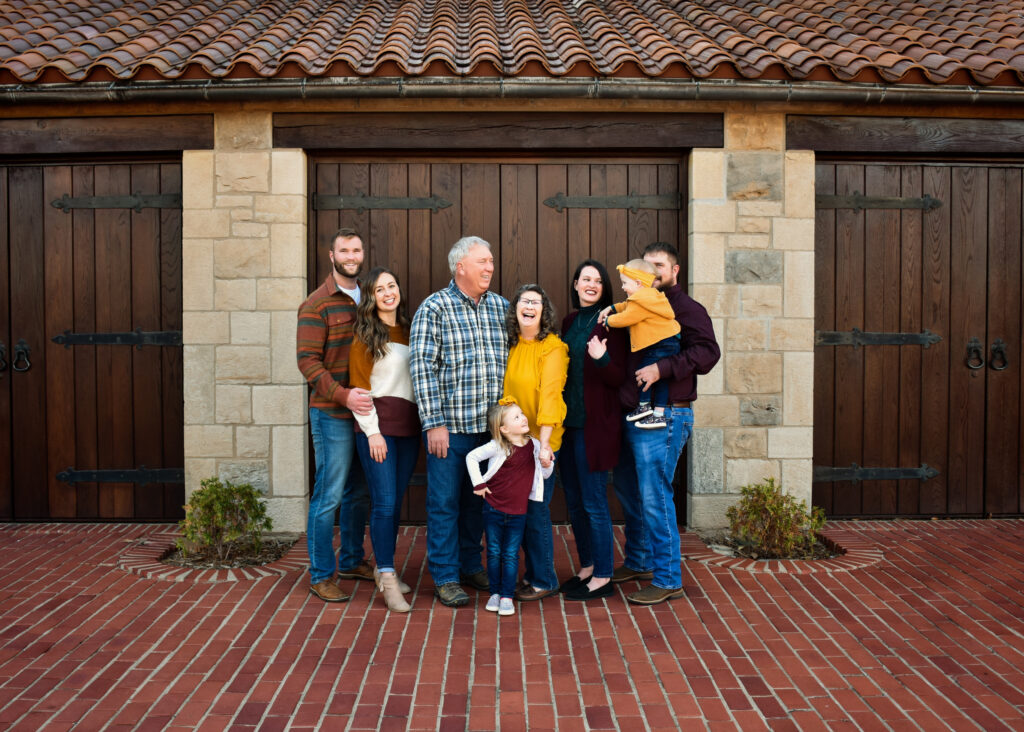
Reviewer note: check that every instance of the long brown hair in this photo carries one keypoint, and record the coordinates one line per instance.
(547, 315)
(370, 329)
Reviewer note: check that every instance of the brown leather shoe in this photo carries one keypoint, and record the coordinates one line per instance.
(652, 595)
(362, 571)
(529, 593)
(624, 574)
(327, 591)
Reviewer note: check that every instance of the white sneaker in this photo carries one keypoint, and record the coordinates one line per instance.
(505, 607)
(493, 603)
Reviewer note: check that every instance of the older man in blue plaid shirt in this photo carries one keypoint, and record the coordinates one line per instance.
(459, 347)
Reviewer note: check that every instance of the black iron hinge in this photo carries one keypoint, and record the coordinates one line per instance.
(136, 201)
(137, 338)
(141, 475)
(858, 338)
(855, 473)
(859, 202)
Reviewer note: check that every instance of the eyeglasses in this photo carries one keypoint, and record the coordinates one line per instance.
(532, 302)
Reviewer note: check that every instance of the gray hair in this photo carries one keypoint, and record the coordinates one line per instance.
(461, 248)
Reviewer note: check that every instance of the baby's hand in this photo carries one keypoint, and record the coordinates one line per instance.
(603, 315)
(546, 457)
(482, 491)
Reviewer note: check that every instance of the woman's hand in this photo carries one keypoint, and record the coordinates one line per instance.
(602, 317)
(378, 447)
(597, 347)
(545, 455)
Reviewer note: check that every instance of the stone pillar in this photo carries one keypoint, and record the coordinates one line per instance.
(244, 276)
(751, 230)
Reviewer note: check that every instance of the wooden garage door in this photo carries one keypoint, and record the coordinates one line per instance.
(925, 410)
(502, 201)
(88, 427)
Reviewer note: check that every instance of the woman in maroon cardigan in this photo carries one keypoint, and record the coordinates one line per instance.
(593, 426)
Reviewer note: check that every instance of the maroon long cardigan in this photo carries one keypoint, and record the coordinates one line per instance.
(602, 430)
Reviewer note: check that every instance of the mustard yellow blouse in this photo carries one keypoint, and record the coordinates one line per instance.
(535, 376)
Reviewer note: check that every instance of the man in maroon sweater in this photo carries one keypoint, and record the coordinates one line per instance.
(644, 476)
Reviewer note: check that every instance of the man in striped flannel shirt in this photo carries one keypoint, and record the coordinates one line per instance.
(459, 347)
(323, 340)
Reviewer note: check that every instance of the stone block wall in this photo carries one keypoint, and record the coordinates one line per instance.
(244, 275)
(751, 247)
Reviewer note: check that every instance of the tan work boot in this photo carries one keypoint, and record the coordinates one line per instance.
(387, 583)
(402, 587)
(328, 591)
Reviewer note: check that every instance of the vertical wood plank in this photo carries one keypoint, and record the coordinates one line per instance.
(617, 221)
(599, 244)
(518, 226)
(6, 421)
(480, 202)
(28, 389)
(967, 320)
(85, 414)
(113, 313)
(642, 226)
(60, 361)
(1002, 416)
(579, 243)
(326, 222)
(672, 225)
(446, 225)
(417, 284)
(824, 319)
(553, 266)
(849, 404)
(910, 395)
(171, 359)
(936, 361)
(146, 386)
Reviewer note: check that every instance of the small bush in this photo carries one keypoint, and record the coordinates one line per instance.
(222, 519)
(773, 525)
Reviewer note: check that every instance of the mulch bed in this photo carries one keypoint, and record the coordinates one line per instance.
(271, 550)
(722, 542)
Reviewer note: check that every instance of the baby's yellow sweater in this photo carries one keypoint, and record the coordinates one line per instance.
(649, 316)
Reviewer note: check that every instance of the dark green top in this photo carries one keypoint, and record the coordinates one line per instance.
(576, 338)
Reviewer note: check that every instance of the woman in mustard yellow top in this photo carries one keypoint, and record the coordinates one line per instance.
(538, 361)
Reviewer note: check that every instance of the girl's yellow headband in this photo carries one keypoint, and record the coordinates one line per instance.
(645, 278)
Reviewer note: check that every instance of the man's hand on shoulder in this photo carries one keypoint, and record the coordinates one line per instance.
(359, 401)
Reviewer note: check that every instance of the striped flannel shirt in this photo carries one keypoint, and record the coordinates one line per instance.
(323, 340)
(459, 350)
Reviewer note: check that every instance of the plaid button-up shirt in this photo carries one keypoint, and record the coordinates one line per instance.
(459, 350)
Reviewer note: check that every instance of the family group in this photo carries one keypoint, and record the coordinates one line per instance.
(500, 394)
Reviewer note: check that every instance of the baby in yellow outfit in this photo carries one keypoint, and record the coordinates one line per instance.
(653, 332)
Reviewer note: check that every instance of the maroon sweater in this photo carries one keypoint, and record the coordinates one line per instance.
(510, 486)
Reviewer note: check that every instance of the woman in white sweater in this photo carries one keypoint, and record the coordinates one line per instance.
(387, 439)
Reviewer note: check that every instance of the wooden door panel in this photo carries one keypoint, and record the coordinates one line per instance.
(501, 201)
(824, 319)
(6, 420)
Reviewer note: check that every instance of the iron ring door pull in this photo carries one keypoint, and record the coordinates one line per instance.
(21, 362)
(998, 361)
(975, 356)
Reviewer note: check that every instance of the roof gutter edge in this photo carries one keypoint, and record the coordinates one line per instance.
(502, 88)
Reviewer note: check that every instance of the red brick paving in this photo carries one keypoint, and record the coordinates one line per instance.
(928, 634)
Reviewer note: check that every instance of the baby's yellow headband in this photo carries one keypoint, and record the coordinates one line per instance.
(645, 278)
(507, 401)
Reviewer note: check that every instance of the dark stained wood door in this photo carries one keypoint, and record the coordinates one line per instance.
(502, 201)
(88, 407)
(954, 271)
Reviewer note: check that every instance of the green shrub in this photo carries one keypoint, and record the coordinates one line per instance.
(222, 519)
(771, 524)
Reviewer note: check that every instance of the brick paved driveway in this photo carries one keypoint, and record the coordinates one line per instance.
(930, 637)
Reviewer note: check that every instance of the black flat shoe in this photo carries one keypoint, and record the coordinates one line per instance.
(582, 593)
(573, 583)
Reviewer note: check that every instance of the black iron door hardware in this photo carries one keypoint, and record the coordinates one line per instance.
(3, 357)
(141, 475)
(856, 473)
(858, 338)
(137, 338)
(136, 201)
(634, 202)
(859, 202)
(975, 356)
(997, 361)
(21, 362)
(362, 203)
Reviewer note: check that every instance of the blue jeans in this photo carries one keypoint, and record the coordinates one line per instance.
(455, 522)
(332, 489)
(388, 482)
(656, 453)
(586, 497)
(637, 551)
(355, 509)
(538, 545)
(504, 537)
(658, 393)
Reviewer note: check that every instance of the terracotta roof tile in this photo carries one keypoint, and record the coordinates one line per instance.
(944, 41)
